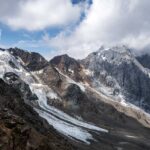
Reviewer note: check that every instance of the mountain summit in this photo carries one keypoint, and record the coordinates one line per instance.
(117, 72)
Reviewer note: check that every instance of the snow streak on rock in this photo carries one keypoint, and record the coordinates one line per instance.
(62, 122)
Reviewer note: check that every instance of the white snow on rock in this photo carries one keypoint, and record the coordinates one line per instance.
(5, 57)
(88, 72)
(63, 123)
(69, 80)
(38, 72)
(66, 128)
(70, 70)
(103, 57)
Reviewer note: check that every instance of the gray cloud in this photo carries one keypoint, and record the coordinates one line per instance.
(9, 8)
(109, 23)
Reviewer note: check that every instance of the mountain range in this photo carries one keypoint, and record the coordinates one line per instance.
(101, 102)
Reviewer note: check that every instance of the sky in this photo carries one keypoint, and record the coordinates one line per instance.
(75, 27)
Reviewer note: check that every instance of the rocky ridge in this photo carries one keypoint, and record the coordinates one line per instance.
(64, 99)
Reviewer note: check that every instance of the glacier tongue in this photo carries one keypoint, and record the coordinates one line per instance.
(62, 122)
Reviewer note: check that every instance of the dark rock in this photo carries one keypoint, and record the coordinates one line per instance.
(24, 89)
(21, 128)
(33, 61)
(144, 60)
(12, 65)
(74, 94)
(51, 77)
(68, 65)
(125, 73)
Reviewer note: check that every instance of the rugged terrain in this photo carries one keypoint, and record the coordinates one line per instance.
(99, 103)
(144, 60)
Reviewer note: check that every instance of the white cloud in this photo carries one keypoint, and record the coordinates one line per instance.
(39, 14)
(107, 22)
(141, 41)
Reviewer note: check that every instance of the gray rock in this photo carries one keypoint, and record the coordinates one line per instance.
(117, 66)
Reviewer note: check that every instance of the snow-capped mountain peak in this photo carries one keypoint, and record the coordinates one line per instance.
(115, 55)
(116, 70)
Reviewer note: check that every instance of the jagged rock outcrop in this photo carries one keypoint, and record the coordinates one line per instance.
(69, 66)
(66, 93)
(33, 61)
(23, 88)
(66, 63)
(117, 69)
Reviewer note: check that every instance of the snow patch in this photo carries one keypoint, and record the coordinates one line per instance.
(70, 70)
(103, 57)
(88, 72)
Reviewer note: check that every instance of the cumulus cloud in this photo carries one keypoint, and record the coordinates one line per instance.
(39, 14)
(107, 22)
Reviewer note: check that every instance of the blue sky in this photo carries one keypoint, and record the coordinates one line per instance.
(25, 39)
(14, 38)
(75, 27)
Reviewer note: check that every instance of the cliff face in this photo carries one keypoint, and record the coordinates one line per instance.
(144, 60)
(119, 71)
(33, 61)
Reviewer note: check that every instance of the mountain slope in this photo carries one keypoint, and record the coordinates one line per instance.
(20, 126)
(116, 72)
(33, 61)
(52, 96)
(144, 60)
(69, 66)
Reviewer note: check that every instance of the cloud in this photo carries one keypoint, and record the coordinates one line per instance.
(107, 22)
(0, 34)
(39, 14)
